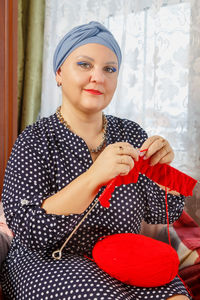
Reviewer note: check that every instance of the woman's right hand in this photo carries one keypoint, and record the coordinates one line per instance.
(116, 159)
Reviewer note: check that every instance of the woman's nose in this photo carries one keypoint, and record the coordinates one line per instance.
(97, 75)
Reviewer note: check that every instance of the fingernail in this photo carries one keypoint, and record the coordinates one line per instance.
(142, 154)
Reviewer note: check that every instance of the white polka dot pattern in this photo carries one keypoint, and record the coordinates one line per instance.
(45, 158)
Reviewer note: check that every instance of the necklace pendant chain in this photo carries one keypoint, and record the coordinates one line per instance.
(105, 122)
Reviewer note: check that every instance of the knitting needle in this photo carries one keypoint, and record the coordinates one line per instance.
(57, 254)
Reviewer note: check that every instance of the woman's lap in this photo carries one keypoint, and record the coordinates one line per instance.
(73, 277)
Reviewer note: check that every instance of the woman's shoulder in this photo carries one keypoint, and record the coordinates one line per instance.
(127, 130)
(37, 133)
(123, 123)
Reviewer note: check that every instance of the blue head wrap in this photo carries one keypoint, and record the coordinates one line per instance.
(93, 32)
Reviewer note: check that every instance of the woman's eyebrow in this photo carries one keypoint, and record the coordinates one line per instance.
(92, 59)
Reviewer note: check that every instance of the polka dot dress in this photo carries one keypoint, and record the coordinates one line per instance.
(45, 158)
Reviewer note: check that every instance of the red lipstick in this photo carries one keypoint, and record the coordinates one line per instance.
(94, 92)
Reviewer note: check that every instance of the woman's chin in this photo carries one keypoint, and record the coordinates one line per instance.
(92, 107)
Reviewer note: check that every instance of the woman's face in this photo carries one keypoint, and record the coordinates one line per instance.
(89, 77)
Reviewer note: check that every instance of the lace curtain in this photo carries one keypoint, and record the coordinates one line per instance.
(159, 81)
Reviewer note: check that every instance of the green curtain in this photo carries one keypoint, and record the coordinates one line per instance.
(31, 14)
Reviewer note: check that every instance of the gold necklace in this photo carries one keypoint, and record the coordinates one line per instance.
(105, 122)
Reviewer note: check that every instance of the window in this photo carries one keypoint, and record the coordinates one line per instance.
(154, 76)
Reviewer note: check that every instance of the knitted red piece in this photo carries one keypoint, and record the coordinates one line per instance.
(136, 259)
(160, 173)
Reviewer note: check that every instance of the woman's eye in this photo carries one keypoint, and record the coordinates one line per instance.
(110, 69)
(84, 64)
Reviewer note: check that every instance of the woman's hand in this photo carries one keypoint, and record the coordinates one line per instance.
(158, 149)
(116, 159)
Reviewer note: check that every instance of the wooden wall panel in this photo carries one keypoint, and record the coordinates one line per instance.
(8, 81)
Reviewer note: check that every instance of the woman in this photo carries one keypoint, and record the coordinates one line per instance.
(58, 167)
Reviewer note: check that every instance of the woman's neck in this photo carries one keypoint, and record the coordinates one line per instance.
(87, 126)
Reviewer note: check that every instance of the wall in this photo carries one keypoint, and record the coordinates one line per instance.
(8, 82)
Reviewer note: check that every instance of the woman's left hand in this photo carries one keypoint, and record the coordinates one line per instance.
(158, 150)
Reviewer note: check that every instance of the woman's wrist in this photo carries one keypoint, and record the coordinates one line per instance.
(92, 182)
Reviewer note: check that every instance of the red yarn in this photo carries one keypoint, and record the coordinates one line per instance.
(166, 206)
(161, 173)
(136, 259)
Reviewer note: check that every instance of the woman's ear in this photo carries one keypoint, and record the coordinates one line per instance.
(59, 77)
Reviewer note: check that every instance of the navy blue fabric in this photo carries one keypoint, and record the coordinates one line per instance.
(45, 158)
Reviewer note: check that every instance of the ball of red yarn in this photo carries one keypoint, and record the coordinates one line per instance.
(136, 259)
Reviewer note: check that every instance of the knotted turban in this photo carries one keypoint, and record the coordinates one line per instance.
(93, 32)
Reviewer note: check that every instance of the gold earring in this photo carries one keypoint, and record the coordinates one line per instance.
(59, 84)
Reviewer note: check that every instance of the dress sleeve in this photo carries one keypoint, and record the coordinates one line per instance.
(155, 210)
(27, 183)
